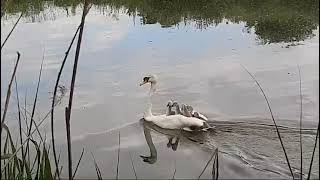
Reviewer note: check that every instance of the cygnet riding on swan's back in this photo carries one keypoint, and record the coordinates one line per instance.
(169, 109)
(188, 111)
(176, 121)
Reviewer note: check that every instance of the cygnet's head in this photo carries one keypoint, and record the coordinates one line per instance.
(152, 79)
(196, 114)
(189, 108)
(183, 107)
(170, 104)
(175, 103)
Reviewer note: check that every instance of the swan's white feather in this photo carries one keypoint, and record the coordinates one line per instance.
(175, 121)
(203, 117)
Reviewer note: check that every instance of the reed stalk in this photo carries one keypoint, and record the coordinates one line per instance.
(118, 159)
(300, 125)
(133, 168)
(75, 171)
(212, 156)
(9, 93)
(19, 122)
(274, 122)
(53, 101)
(55, 94)
(313, 152)
(14, 26)
(74, 73)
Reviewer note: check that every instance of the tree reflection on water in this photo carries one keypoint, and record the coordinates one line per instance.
(272, 21)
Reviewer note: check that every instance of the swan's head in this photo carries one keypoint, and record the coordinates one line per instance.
(149, 159)
(152, 79)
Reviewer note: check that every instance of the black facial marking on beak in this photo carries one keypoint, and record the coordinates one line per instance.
(146, 79)
(145, 159)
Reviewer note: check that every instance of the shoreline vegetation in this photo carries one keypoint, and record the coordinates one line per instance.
(29, 157)
(272, 21)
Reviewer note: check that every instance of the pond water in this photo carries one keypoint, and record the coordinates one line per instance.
(197, 49)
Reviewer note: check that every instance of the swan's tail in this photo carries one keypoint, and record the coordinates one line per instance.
(206, 126)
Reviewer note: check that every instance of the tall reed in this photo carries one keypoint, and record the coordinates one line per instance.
(118, 157)
(14, 26)
(54, 102)
(74, 73)
(274, 122)
(300, 124)
(313, 152)
(8, 95)
(214, 155)
(55, 94)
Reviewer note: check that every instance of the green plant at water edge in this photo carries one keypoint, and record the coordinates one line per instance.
(34, 162)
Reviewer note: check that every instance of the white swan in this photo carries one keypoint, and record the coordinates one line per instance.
(173, 121)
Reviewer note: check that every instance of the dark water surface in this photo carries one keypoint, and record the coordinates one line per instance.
(196, 48)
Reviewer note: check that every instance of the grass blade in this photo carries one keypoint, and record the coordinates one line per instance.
(41, 165)
(5, 156)
(55, 174)
(35, 103)
(9, 92)
(274, 122)
(5, 151)
(25, 111)
(96, 167)
(28, 138)
(300, 126)
(75, 171)
(20, 127)
(15, 163)
(213, 154)
(68, 143)
(118, 160)
(14, 26)
(215, 166)
(313, 152)
(175, 170)
(47, 168)
(133, 168)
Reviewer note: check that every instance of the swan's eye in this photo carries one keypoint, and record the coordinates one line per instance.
(146, 79)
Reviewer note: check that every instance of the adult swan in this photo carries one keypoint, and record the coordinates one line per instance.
(177, 121)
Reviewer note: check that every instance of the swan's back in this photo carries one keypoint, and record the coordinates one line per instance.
(175, 121)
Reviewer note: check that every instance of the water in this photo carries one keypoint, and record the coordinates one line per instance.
(196, 49)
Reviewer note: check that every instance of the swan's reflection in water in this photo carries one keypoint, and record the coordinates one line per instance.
(246, 150)
(174, 137)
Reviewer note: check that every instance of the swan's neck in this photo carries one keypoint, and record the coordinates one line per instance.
(148, 113)
(152, 89)
(178, 110)
(169, 111)
(152, 148)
